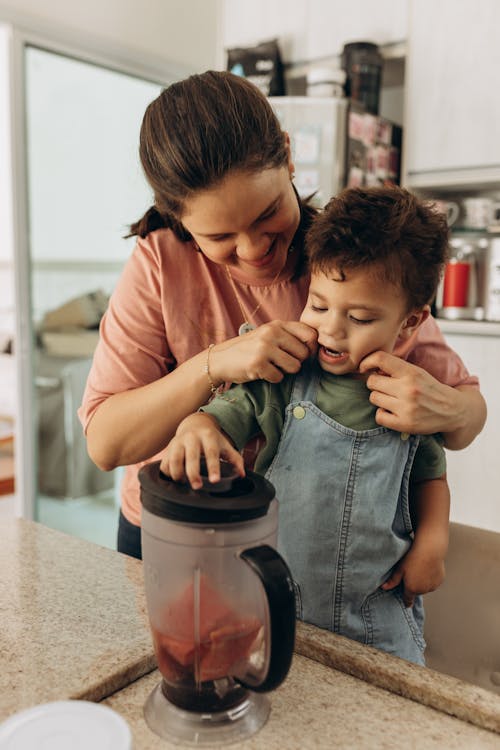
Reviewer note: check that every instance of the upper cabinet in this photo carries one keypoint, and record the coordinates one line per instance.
(452, 94)
(331, 24)
(314, 29)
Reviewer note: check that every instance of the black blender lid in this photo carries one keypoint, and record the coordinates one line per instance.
(247, 498)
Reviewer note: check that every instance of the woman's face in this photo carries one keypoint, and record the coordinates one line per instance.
(247, 221)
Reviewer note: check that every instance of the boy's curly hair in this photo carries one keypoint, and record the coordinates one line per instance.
(403, 237)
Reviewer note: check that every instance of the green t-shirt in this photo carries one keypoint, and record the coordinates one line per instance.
(247, 410)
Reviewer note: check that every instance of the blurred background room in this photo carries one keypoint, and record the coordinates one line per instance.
(395, 91)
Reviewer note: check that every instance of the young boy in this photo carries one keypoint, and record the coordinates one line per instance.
(362, 541)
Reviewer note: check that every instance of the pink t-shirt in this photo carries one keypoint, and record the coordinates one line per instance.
(172, 302)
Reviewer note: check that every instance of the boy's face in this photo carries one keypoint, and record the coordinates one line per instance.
(355, 317)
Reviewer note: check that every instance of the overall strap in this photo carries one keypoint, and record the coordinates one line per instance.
(305, 384)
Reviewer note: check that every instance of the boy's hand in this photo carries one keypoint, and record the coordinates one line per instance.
(197, 435)
(421, 570)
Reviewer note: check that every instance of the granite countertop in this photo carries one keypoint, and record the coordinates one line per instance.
(74, 625)
(74, 621)
(320, 708)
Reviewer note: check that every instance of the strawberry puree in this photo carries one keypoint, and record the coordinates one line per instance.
(226, 639)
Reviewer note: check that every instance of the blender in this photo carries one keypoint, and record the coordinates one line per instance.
(220, 602)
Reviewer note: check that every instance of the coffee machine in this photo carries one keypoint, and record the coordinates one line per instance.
(221, 605)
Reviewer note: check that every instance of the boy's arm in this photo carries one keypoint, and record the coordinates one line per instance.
(422, 568)
(218, 430)
(430, 516)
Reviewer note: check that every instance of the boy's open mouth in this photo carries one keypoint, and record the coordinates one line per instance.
(333, 352)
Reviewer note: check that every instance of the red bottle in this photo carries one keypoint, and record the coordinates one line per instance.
(456, 284)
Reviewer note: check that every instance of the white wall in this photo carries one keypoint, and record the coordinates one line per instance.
(85, 183)
(180, 31)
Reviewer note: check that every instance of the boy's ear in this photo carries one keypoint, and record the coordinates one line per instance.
(413, 320)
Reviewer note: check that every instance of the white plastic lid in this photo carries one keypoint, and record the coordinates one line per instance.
(66, 725)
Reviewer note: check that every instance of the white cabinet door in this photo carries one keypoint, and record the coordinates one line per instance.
(453, 80)
(473, 473)
(313, 29)
(333, 24)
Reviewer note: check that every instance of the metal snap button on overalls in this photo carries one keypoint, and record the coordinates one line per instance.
(299, 412)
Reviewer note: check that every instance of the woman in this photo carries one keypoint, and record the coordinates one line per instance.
(221, 251)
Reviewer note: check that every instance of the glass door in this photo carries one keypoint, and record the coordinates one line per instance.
(85, 186)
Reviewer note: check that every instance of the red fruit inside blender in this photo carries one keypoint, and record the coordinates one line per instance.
(224, 643)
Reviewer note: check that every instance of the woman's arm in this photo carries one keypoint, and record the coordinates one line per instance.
(135, 424)
(412, 400)
(470, 416)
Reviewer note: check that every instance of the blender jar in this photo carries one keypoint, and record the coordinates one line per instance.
(220, 602)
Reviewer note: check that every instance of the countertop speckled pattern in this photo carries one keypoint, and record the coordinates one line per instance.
(426, 686)
(73, 618)
(320, 708)
(74, 625)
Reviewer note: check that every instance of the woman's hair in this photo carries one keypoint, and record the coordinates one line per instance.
(406, 238)
(194, 133)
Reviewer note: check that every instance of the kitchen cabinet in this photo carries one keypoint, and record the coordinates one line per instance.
(312, 30)
(452, 102)
(473, 472)
(332, 24)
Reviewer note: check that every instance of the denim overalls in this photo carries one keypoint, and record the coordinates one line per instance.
(344, 522)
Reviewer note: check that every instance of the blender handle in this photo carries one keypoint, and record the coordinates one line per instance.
(278, 585)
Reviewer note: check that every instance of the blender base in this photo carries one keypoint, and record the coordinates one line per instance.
(214, 728)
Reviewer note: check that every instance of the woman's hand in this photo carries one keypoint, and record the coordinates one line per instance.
(266, 353)
(411, 400)
(198, 435)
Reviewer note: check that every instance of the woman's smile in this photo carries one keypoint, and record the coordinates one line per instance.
(265, 259)
(246, 222)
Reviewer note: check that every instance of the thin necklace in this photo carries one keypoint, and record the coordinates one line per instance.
(246, 326)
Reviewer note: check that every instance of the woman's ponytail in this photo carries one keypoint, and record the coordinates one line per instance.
(152, 220)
